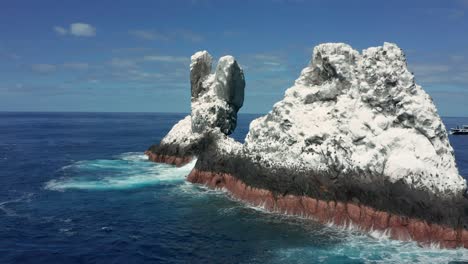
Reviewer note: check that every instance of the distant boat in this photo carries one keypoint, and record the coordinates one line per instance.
(459, 131)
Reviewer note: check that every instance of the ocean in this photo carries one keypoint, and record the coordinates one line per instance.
(76, 188)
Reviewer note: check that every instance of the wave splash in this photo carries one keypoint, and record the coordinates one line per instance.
(342, 244)
(125, 171)
(362, 248)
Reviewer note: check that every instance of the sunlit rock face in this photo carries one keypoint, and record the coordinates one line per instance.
(200, 68)
(355, 141)
(359, 115)
(230, 82)
(216, 98)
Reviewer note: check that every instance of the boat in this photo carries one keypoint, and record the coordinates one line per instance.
(459, 131)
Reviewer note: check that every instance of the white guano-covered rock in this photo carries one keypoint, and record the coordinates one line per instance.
(200, 68)
(216, 99)
(358, 115)
(230, 82)
(219, 96)
(181, 134)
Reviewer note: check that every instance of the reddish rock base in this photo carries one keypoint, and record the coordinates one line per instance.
(367, 218)
(172, 160)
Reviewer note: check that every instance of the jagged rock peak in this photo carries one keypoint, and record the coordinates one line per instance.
(360, 116)
(330, 60)
(217, 97)
(200, 68)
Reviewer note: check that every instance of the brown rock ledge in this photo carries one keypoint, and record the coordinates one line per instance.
(172, 160)
(365, 217)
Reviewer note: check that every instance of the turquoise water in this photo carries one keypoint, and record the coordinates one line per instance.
(129, 170)
(76, 188)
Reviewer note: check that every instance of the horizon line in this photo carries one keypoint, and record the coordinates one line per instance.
(141, 112)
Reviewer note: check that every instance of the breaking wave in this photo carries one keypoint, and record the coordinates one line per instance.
(125, 171)
(341, 244)
(335, 244)
(364, 248)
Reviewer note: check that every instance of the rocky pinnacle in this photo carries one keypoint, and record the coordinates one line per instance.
(216, 98)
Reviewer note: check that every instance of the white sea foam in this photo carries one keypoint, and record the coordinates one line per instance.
(369, 250)
(353, 244)
(131, 170)
(128, 170)
(133, 156)
(5, 206)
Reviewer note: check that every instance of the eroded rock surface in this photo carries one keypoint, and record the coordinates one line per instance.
(221, 98)
(200, 68)
(362, 116)
(216, 99)
(354, 141)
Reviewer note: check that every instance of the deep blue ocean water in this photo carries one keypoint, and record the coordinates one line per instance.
(76, 188)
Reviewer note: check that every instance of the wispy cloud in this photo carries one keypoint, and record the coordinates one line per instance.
(60, 30)
(445, 13)
(457, 58)
(46, 68)
(456, 13)
(266, 57)
(264, 62)
(189, 36)
(123, 63)
(139, 75)
(429, 69)
(272, 63)
(9, 55)
(43, 68)
(76, 66)
(232, 33)
(135, 62)
(440, 73)
(149, 35)
(185, 35)
(148, 68)
(165, 58)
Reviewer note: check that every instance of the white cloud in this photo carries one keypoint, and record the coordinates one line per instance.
(60, 30)
(76, 29)
(165, 58)
(82, 30)
(43, 68)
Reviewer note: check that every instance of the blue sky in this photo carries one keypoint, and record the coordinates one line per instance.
(133, 56)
